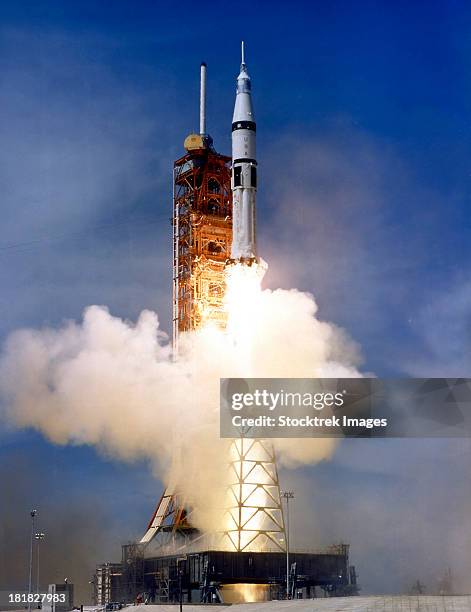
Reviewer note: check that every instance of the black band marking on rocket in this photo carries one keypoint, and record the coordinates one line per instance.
(244, 125)
(245, 160)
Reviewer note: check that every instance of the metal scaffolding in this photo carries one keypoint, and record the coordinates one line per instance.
(254, 516)
(202, 230)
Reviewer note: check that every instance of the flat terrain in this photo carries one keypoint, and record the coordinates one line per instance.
(423, 603)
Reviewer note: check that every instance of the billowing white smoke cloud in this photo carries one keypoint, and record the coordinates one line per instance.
(116, 385)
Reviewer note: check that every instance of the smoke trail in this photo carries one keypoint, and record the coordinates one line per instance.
(115, 384)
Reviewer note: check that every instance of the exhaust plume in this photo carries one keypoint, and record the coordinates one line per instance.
(116, 385)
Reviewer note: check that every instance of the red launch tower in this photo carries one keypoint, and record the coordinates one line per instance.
(202, 235)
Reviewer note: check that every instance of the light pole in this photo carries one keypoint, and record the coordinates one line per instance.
(287, 496)
(38, 537)
(32, 514)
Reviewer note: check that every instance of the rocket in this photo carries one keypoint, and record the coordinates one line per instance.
(244, 172)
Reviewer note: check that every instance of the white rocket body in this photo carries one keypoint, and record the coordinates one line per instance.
(244, 172)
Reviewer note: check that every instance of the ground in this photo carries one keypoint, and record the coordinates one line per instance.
(342, 604)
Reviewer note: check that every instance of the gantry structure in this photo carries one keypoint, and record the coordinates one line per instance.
(202, 231)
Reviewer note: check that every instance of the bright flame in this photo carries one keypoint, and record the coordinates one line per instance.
(250, 521)
(245, 593)
(243, 302)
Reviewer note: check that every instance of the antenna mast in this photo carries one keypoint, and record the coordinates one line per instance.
(203, 99)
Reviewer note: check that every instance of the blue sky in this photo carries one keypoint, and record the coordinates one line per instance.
(364, 147)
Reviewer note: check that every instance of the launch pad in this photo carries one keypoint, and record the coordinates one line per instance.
(215, 576)
(214, 228)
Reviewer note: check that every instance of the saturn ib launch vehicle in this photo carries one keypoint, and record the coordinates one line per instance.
(244, 172)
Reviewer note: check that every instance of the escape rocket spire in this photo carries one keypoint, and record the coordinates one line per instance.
(244, 171)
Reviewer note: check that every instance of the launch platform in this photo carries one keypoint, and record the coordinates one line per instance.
(216, 576)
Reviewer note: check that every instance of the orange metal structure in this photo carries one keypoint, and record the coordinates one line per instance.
(202, 232)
